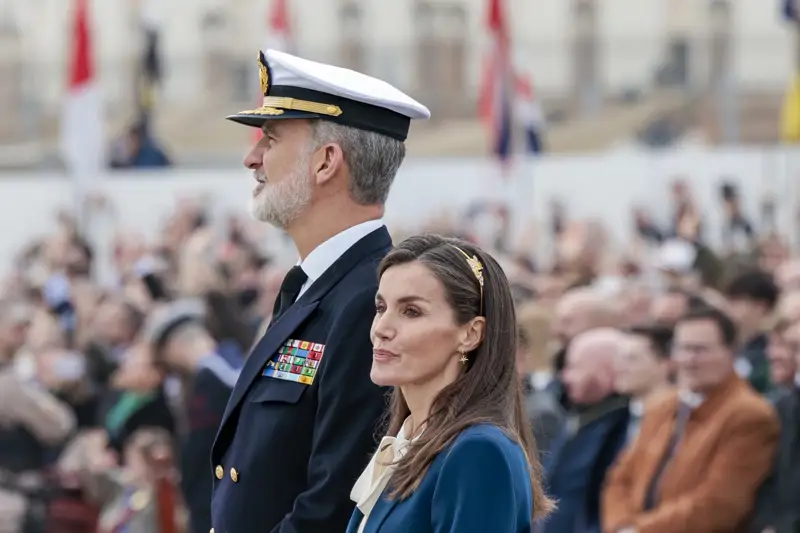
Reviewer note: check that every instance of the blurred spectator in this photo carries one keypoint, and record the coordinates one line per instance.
(580, 310)
(646, 228)
(137, 149)
(32, 423)
(113, 330)
(643, 371)
(772, 254)
(15, 318)
(577, 311)
(668, 308)
(225, 321)
(182, 346)
(593, 434)
(271, 279)
(738, 233)
(686, 218)
(788, 275)
(635, 302)
(137, 399)
(535, 352)
(701, 453)
(777, 509)
(788, 306)
(127, 492)
(780, 353)
(676, 259)
(752, 296)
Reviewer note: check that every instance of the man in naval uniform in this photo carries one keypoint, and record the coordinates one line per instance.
(303, 417)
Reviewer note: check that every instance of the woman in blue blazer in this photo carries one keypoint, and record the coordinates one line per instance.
(459, 457)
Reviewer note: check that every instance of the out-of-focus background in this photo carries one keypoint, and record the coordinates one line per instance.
(624, 159)
(622, 94)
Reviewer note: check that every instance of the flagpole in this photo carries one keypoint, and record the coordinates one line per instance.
(82, 141)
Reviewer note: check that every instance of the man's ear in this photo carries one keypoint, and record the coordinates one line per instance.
(326, 162)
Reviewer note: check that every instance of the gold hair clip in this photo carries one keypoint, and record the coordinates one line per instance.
(477, 269)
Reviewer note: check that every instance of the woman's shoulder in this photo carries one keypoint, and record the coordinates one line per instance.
(486, 443)
(484, 457)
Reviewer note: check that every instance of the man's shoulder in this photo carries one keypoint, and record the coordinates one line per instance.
(747, 405)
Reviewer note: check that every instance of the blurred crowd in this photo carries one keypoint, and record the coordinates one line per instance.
(112, 392)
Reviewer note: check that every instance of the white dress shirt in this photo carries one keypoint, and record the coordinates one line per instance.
(540, 380)
(636, 409)
(326, 254)
(691, 398)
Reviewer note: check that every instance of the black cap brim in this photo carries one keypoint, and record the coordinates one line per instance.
(287, 102)
(257, 120)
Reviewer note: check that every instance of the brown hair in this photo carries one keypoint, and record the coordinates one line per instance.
(489, 391)
(535, 332)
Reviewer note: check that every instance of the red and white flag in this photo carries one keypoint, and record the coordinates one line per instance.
(278, 31)
(82, 138)
(496, 93)
(507, 99)
(278, 37)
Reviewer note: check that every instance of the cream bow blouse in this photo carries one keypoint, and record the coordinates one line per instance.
(373, 480)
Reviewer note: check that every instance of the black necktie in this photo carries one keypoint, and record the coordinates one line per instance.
(290, 288)
(681, 418)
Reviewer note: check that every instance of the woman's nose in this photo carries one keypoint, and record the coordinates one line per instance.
(382, 327)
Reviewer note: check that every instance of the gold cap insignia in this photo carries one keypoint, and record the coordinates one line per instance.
(263, 73)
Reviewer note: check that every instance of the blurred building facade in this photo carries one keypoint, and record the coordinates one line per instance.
(579, 53)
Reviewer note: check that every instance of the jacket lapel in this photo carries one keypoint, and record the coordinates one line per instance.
(379, 514)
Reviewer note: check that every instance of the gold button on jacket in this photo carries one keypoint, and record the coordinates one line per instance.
(219, 472)
(234, 475)
(212, 530)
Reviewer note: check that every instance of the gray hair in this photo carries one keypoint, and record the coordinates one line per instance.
(373, 159)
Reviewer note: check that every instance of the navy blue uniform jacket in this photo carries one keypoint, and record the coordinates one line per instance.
(480, 484)
(287, 454)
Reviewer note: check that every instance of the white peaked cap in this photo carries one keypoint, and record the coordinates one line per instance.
(294, 87)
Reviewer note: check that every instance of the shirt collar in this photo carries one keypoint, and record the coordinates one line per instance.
(540, 380)
(636, 408)
(401, 435)
(692, 399)
(326, 254)
(797, 380)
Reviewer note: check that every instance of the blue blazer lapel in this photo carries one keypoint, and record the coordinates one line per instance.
(379, 514)
(276, 335)
(355, 521)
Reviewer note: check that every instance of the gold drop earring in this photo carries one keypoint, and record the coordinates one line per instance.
(464, 359)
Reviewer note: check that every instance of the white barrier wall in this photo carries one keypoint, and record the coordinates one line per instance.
(603, 186)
